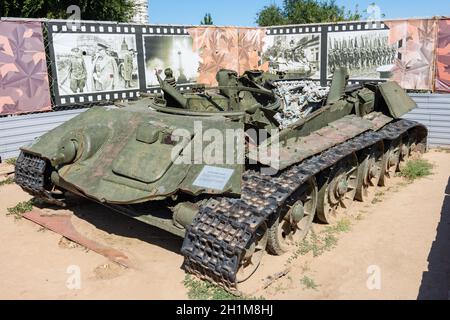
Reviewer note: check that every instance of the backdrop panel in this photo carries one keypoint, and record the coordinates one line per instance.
(443, 57)
(250, 47)
(366, 54)
(171, 49)
(95, 62)
(293, 53)
(416, 40)
(23, 69)
(218, 49)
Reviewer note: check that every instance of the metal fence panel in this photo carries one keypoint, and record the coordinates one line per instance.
(433, 110)
(16, 131)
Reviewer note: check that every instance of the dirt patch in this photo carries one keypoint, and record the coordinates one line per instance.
(401, 236)
(67, 244)
(108, 271)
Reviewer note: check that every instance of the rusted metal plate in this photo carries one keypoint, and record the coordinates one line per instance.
(378, 120)
(62, 224)
(336, 132)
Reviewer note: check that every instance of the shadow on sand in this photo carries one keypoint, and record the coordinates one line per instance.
(121, 225)
(436, 281)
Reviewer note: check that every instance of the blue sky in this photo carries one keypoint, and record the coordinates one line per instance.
(243, 12)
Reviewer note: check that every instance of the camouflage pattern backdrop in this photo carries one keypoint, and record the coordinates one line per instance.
(23, 68)
(443, 57)
(414, 63)
(238, 49)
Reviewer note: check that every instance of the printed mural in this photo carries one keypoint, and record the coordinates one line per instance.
(443, 57)
(174, 52)
(23, 68)
(89, 62)
(231, 48)
(416, 40)
(366, 54)
(297, 54)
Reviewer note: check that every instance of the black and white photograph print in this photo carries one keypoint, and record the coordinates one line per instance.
(174, 52)
(297, 54)
(366, 54)
(91, 63)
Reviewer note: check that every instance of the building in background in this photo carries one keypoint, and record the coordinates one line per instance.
(141, 13)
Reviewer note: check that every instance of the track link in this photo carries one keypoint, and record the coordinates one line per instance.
(216, 240)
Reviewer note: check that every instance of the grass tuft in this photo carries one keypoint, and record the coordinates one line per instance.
(308, 283)
(204, 290)
(416, 169)
(11, 161)
(20, 208)
(324, 241)
(9, 180)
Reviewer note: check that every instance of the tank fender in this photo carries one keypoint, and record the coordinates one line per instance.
(394, 100)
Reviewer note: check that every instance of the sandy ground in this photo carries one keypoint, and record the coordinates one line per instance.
(399, 246)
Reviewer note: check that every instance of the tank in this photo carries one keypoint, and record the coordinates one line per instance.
(238, 170)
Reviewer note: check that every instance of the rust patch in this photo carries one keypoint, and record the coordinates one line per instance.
(113, 148)
(62, 224)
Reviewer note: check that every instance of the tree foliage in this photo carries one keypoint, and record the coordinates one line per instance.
(105, 10)
(207, 20)
(305, 11)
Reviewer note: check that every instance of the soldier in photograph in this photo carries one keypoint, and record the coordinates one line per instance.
(105, 71)
(76, 71)
(126, 66)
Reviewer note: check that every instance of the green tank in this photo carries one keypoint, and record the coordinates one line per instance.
(223, 168)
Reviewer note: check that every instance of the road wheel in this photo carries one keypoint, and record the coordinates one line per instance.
(391, 159)
(369, 172)
(253, 254)
(338, 189)
(294, 220)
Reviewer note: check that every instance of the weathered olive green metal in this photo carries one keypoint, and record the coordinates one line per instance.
(125, 154)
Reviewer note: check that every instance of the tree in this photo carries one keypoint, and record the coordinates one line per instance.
(106, 10)
(270, 16)
(207, 20)
(305, 11)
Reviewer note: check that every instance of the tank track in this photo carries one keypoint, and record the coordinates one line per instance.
(216, 240)
(29, 173)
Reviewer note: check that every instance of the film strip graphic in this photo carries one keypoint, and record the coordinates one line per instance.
(326, 31)
(181, 87)
(96, 30)
(336, 27)
(139, 33)
(165, 30)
